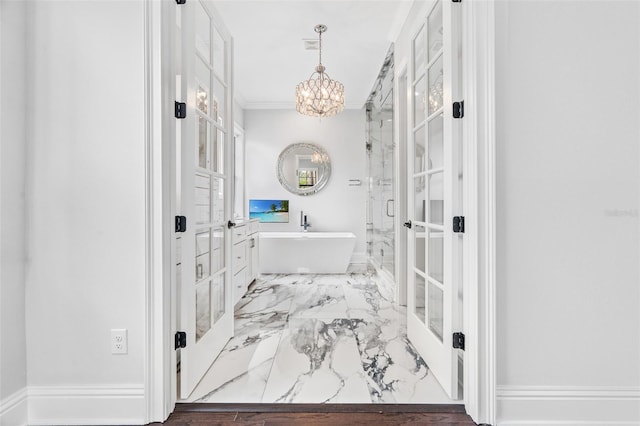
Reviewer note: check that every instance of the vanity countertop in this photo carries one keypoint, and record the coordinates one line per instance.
(244, 220)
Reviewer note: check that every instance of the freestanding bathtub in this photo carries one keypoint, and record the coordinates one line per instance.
(305, 252)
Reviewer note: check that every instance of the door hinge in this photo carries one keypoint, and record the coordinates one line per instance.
(181, 340)
(180, 110)
(456, 1)
(458, 109)
(458, 224)
(181, 223)
(458, 341)
(181, 1)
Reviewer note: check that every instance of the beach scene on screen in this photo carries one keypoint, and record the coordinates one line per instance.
(269, 211)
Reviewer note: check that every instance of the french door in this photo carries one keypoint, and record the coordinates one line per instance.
(206, 310)
(434, 196)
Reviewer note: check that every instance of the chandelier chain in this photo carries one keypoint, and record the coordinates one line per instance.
(320, 45)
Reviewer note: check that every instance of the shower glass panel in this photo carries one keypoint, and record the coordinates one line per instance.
(380, 167)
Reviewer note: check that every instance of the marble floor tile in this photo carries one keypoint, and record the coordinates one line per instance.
(326, 301)
(297, 279)
(317, 362)
(267, 298)
(319, 338)
(243, 366)
(396, 373)
(239, 375)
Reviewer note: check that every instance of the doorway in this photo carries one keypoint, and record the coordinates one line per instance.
(205, 308)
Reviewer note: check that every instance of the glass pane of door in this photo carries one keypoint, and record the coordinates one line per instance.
(420, 295)
(419, 47)
(435, 310)
(436, 198)
(436, 93)
(435, 255)
(435, 31)
(420, 248)
(436, 147)
(419, 150)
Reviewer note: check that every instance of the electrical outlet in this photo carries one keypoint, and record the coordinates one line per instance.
(119, 341)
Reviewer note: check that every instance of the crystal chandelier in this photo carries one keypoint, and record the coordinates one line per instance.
(320, 96)
(318, 157)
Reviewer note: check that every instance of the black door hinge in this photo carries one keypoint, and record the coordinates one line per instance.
(181, 1)
(458, 224)
(181, 340)
(456, 1)
(458, 109)
(181, 110)
(458, 341)
(181, 223)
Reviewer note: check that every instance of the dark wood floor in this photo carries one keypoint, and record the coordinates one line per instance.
(318, 414)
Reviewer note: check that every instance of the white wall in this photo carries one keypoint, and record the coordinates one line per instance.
(338, 207)
(568, 184)
(86, 204)
(13, 367)
(238, 114)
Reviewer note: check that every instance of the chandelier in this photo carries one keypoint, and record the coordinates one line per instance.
(318, 157)
(319, 96)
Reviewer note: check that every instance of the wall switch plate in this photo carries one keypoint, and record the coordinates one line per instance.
(119, 341)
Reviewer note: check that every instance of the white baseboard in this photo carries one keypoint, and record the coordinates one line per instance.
(564, 406)
(13, 409)
(86, 405)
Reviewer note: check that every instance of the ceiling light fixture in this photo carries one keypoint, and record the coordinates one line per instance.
(320, 96)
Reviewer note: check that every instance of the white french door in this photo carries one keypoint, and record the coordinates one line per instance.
(434, 196)
(206, 311)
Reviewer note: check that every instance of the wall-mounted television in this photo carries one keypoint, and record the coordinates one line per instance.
(269, 211)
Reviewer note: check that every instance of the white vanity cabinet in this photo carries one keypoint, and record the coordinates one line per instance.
(253, 242)
(244, 257)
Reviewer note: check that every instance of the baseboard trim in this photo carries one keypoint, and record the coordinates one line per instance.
(567, 405)
(13, 409)
(81, 405)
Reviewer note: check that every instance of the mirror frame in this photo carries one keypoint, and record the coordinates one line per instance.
(324, 169)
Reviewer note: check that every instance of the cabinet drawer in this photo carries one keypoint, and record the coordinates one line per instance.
(254, 227)
(239, 253)
(239, 234)
(239, 285)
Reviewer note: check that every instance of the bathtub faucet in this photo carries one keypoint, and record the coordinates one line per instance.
(303, 222)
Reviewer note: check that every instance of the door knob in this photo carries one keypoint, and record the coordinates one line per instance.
(407, 224)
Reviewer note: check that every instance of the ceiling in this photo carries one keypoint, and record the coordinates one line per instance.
(269, 54)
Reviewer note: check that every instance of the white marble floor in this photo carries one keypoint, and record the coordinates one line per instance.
(319, 339)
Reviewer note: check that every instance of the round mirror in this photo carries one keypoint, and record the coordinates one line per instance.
(303, 168)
